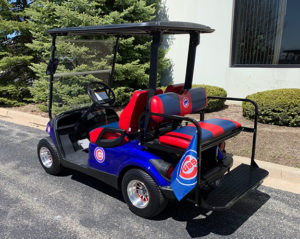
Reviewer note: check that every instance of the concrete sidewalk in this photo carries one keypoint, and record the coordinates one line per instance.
(280, 176)
(23, 118)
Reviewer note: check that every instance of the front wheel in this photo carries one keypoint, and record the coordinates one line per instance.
(49, 156)
(142, 194)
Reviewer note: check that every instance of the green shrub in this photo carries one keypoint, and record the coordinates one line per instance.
(214, 104)
(279, 107)
(123, 95)
(8, 102)
(13, 95)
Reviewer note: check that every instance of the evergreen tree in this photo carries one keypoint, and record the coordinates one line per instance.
(134, 52)
(15, 75)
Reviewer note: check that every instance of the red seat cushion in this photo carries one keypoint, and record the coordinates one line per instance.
(210, 129)
(130, 115)
(94, 134)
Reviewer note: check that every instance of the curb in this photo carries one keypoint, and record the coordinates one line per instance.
(280, 176)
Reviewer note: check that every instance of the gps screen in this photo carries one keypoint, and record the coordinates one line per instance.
(101, 95)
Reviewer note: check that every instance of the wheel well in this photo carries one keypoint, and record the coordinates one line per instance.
(124, 170)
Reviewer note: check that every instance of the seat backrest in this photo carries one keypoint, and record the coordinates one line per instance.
(129, 117)
(176, 88)
(190, 101)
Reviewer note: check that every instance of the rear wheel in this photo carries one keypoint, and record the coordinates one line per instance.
(142, 194)
(49, 156)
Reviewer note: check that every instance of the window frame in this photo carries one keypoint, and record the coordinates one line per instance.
(232, 48)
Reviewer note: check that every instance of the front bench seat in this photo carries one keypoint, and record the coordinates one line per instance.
(128, 119)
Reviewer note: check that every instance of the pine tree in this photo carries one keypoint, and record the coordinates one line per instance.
(134, 52)
(15, 75)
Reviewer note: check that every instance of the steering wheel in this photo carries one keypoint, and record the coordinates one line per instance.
(100, 93)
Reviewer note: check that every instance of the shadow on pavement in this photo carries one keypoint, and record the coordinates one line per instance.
(200, 222)
(96, 184)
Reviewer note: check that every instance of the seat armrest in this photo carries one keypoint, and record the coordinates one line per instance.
(109, 143)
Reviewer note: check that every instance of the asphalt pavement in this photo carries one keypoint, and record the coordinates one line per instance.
(34, 204)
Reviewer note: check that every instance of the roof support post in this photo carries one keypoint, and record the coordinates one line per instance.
(51, 78)
(194, 42)
(156, 41)
(111, 78)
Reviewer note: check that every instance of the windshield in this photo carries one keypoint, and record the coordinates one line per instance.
(81, 62)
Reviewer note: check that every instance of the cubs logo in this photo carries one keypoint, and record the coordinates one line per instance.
(99, 154)
(186, 173)
(188, 168)
(186, 102)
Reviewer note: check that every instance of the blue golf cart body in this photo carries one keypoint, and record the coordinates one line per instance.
(138, 150)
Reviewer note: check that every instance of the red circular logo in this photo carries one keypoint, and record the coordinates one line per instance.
(188, 168)
(99, 154)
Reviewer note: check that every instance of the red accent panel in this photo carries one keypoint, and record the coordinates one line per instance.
(186, 105)
(159, 91)
(176, 88)
(157, 107)
(238, 125)
(130, 115)
(214, 129)
(108, 135)
(94, 134)
(174, 141)
(179, 135)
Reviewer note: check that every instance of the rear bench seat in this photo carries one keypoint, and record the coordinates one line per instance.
(190, 101)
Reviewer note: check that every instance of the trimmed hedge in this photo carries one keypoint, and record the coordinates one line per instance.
(279, 107)
(214, 104)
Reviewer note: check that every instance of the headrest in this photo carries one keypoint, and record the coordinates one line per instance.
(176, 88)
(190, 101)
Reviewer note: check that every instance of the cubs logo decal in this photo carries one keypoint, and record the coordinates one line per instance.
(187, 171)
(99, 154)
(188, 168)
(184, 176)
(186, 102)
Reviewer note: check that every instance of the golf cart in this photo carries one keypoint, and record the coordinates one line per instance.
(139, 152)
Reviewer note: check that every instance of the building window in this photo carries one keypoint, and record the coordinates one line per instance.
(266, 32)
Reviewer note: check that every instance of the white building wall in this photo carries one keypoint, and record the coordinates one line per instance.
(213, 54)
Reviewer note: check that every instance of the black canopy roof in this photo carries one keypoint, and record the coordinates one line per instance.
(135, 29)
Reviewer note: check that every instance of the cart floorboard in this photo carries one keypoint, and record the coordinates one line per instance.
(235, 185)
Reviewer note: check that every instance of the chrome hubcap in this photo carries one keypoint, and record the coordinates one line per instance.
(138, 193)
(46, 157)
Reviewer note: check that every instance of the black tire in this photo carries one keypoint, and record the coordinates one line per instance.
(157, 202)
(55, 168)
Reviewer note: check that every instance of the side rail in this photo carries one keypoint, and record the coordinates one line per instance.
(246, 129)
(199, 135)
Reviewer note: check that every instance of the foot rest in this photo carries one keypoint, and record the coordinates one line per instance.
(234, 186)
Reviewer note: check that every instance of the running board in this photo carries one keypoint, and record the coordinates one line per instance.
(233, 186)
